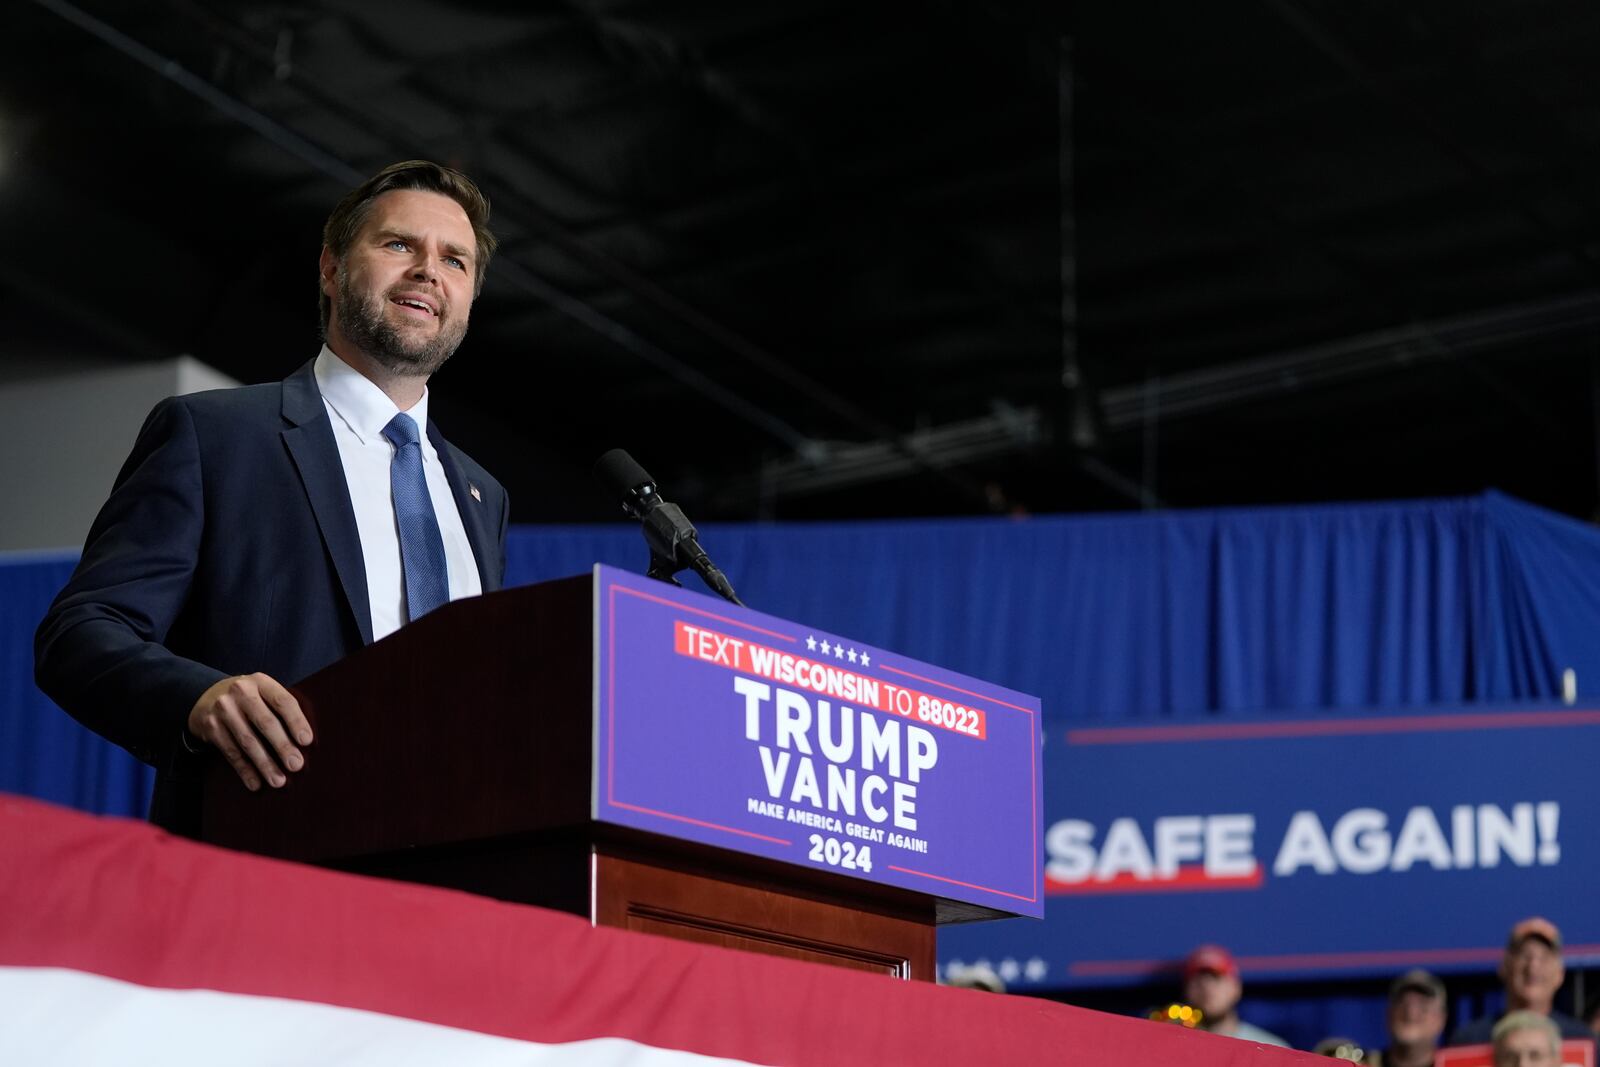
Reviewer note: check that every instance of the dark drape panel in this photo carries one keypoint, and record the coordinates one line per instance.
(1543, 574)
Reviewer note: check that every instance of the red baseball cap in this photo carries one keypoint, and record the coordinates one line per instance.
(1535, 926)
(1210, 959)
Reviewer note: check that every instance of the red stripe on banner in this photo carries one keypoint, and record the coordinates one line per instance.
(611, 692)
(1035, 738)
(702, 822)
(1188, 879)
(957, 881)
(1400, 724)
(958, 689)
(676, 606)
(124, 900)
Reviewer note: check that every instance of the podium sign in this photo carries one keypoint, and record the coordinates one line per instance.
(731, 728)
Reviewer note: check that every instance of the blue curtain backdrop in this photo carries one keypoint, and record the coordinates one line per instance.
(1135, 617)
(1116, 617)
(1123, 617)
(43, 753)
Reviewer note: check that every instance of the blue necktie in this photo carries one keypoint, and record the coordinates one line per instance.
(421, 547)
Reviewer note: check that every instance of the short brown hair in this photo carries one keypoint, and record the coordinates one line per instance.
(351, 213)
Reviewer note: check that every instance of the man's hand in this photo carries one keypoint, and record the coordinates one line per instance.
(251, 719)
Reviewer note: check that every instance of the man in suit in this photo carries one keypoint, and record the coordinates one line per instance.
(256, 535)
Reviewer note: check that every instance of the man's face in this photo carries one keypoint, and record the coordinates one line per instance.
(402, 292)
(1525, 1048)
(1532, 971)
(1416, 1017)
(1214, 994)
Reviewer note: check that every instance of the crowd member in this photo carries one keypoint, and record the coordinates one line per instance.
(1211, 983)
(1415, 1020)
(1526, 1039)
(1532, 970)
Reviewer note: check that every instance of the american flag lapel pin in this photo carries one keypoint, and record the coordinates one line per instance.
(474, 491)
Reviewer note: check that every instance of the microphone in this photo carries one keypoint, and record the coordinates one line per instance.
(667, 530)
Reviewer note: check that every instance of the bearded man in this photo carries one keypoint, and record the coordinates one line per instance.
(256, 535)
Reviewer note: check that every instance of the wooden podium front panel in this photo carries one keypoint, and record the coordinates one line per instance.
(635, 894)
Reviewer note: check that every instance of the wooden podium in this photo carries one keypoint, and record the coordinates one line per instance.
(460, 752)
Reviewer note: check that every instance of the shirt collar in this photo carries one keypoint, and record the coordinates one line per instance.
(358, 401)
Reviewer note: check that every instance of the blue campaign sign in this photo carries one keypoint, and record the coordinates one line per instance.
(748, 732)
(1352, 845)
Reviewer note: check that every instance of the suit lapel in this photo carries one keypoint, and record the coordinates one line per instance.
(310, 442)
(475, 512)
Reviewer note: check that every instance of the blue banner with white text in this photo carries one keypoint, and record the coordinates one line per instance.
(1354, 845)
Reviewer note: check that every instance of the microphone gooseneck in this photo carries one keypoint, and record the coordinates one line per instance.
(669, 533)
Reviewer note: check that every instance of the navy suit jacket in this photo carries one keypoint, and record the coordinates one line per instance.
(228, 546)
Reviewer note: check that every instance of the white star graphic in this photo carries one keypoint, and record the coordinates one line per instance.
(824, 648)
(838, 652)
(1010, 970)
(866, 660)
(1036, 969)
(811, 643)
(852, 655)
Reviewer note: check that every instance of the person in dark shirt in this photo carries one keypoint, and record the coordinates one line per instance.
(1415, 1020)
(1532, 970)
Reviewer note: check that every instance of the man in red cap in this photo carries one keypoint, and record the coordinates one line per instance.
(1211, 983)
(1532, 970)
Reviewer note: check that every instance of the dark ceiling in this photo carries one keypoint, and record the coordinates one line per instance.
(837, 260)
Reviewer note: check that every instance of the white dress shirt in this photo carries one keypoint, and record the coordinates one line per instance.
(359, 411)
